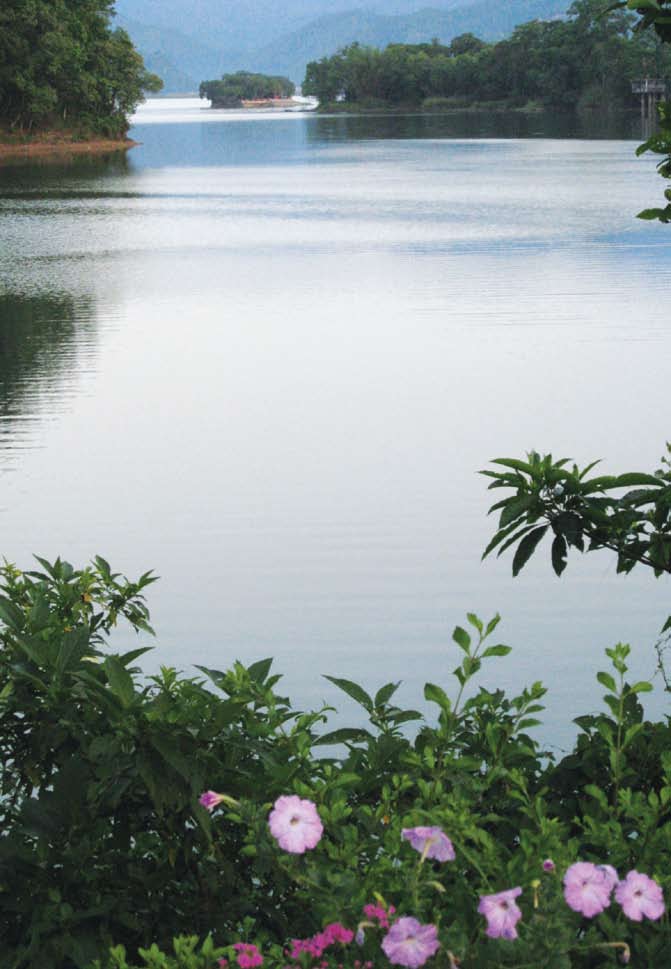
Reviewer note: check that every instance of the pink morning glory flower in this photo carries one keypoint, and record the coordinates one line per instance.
(430, 842)
(640, 896)
(502, 913)
(409, 943)
(210, 800)
(588, 887)
(295, 824)
(248, 955)
(549, 865)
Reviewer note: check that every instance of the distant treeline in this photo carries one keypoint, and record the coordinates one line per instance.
(587, 60)
(231, 89)
(63, 66)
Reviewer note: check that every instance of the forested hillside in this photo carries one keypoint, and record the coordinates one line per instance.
(283, 38)
(62, 66)
(585, 61)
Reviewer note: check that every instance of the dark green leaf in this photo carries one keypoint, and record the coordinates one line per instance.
(559, 551)
(527, 547)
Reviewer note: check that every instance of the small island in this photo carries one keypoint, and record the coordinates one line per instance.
(247, 90)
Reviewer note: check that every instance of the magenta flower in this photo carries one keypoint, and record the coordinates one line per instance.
(248, 956)
(502, 913)
(549, 865)
(378, 914)
(336, 932)
(409, 943)
(588, 887)
(295, 824)
(640, 896)
(210, 800)
(430, 842)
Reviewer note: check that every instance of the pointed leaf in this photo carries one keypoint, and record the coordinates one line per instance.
(353, 690)
(527, 547)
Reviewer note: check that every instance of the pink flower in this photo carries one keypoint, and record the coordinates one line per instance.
(210, 800)
(430, 842)
(502, 913)
(378, 914)
(315, 946)
(588, 887)
(335, 932)
(223, 963)
(640, 896)
(248, 956)
(549, 865)
(409, 943)
(295, 824)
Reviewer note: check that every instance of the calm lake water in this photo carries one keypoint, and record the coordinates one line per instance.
(266, 356)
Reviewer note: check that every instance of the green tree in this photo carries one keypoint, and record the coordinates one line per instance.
(62, 66)
(231, 89)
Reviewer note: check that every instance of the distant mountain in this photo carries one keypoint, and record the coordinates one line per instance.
(203, 39)
(489, 21)
(174, 80)
(184, 57)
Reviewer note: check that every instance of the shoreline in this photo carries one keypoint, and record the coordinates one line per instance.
(51, 145)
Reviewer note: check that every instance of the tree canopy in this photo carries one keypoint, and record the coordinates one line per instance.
(231, 89)
(62, 65)
(586, 60)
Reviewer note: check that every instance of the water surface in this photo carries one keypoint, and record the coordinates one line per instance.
(267, 356)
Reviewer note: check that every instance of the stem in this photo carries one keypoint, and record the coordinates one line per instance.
(618, 748)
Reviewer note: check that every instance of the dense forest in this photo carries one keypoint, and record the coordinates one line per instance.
(587, 60)
(62, 66)
(232, 89)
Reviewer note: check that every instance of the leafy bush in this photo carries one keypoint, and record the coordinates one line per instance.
(104, 839)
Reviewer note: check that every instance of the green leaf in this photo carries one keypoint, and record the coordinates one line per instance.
(633, 479)
(461, 638)
(514, 463)
(500, 535)
(605, 679)
(73, 646)
(436, 694)
(346, 735)
(631, 733)
(492, 624)
(385, 693)
(527, 547)
(499, 650)
(353, 690)
(474, 621)
(120, 680)
(559, 552)
(642, 687)
(259, 671)
(515, 508)
(11, 615)
(405, 716)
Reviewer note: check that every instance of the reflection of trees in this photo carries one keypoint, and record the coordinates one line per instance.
(466, 124)
(42, 342)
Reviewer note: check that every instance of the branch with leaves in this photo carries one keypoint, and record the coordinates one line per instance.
(630, 514)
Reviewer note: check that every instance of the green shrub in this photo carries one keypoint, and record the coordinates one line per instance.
(104, 840)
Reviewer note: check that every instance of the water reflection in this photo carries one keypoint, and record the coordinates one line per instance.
(46, 341)
(472, 124)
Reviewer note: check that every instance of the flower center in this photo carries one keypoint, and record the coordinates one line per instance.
(294, 820)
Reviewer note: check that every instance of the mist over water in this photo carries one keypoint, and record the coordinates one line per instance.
(267, 355)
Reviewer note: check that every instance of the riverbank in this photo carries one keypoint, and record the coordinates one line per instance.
(57, 144)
